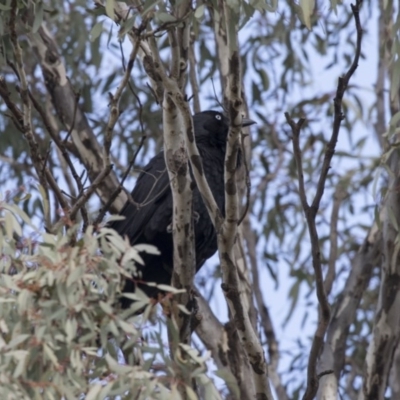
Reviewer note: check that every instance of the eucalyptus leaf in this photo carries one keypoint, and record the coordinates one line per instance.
(39, 6)
(96, 31)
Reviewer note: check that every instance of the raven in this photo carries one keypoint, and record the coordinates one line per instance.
(149, 220)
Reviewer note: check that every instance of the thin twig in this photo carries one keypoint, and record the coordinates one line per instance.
(296, 127)
(166, 26)
(263, 184)
(324, 308)
(16, 113)
(67, 176)
(140, 112)
(338, 114)
(311, 211)
(77, 96)
(215, 95)
(106, 206)
(56, 189)
(114, 104)
(60, 144)
(120, 187)
(85, 196)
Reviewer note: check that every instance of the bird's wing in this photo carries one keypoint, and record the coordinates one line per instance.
(151, 191)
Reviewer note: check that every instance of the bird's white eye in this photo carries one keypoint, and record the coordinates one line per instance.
(218, 117)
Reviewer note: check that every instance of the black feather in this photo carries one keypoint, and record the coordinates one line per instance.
(149, 221)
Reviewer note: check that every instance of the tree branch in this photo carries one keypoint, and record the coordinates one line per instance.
(64, 100)
(226, 237)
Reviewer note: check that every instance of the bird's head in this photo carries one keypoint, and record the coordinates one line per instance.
(214, 126)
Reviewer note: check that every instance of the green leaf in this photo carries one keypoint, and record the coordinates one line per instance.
(307, 7)
(18, 211)
(184, 309)
(96, 31)
(45, 200)
(38, 17)
(190, 393)
(126, 26)
(164, 17)
(148, 248)
(229, 379)
(71, 328)
(393, 219)
(234, 5)
(18, 340)
(395, 81)
(148, 6)
(127, 328)
(50, 354)
(170, 289)
(248, 10)
(8, 224)
(334, 4)
(94, 392)
(272, 6)
(199, 11)
(21, 356)
(393, 123)
(110, 8)
(106, 308)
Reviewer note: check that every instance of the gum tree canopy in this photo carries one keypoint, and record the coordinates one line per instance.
(303, 298)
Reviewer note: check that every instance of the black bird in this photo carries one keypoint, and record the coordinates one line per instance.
(150, 221)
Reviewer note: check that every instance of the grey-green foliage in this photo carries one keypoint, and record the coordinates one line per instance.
(62, 331)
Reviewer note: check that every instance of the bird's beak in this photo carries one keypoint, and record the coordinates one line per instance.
(247, 122)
